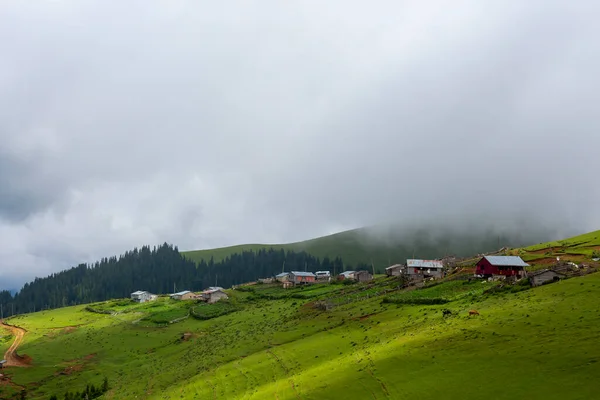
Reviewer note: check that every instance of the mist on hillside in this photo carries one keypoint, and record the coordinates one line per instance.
(210, 125)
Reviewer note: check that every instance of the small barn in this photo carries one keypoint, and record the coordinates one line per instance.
(184, 295)
(142, 296)
(394, 270)
(346, 275)
(507, 266)
(363, 276)
(323, 276)
(538, 278)
(425, 268)
(2, 362)
(297, 277)
(212, 295)
(282, 277)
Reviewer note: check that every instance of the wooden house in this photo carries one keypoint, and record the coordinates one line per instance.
(142, 296)
(538, 278)
(421, 269)
(212, 295)
(297, 277)
(323, 276)
(185, 295)
(282, 277)
(506, 266)
(394, 270)
(346, 275)
(363, 276)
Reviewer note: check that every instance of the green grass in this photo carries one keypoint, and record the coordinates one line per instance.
(536, 343)
(577, 249)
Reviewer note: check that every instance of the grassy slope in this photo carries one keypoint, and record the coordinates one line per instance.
(577, 249)
(532, 344)
(360, 246)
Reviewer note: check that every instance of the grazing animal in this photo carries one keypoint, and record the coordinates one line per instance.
(446, 312)
(473, 312)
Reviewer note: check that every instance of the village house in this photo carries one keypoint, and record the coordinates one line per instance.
(214, 294)
(282, 277)
(394, 270)
(2, 362)
(297, 277)
(142, 296)
(501, 266)
(421, 269)
(363, 276)
(185, 295)
(538, 278)
(323, 275)
(346, 275)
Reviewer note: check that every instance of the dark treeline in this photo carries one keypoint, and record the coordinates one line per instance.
(159, 270)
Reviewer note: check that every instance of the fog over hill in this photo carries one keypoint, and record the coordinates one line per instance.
(208, 125)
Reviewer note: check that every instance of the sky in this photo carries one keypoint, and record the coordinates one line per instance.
(206, 124)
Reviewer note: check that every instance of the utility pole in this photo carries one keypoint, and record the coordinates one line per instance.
(1, 312)
(216, 279)
(283, 267)
(373, 267)
(304, 266)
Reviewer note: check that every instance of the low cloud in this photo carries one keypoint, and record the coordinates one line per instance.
(212, 125)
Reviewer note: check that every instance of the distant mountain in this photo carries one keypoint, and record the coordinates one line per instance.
(386, 245)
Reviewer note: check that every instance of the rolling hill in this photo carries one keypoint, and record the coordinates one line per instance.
(386, 245)
(267, 342)
(374, 340)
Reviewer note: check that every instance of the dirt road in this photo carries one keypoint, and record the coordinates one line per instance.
(11, 356)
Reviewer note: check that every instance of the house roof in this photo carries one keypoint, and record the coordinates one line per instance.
(506, 261)
(395, 266)
(425, 263)
(536, 273)
(215, 288)
(181, 293)
(322, 272)
(346, 273)
(211, 290)
(139, 292)
(2, 361)
(281, 275)
(299, 273)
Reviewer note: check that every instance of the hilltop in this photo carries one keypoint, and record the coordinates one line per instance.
(373, 340)
(387, 245)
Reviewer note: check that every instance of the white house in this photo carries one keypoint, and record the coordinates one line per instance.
(142, 296)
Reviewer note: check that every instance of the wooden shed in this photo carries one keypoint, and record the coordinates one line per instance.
(394, 270)
(185, 295)
(363, 276)
(297, 277)
(538, 278)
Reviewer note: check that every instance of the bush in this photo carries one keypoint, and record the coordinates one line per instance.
(425, 301)
(208, 311)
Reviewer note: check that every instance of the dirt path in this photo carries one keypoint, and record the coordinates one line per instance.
(11, 356)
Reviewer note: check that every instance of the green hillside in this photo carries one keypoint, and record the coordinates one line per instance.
(389, 245)
(375, 342)
(577, 249)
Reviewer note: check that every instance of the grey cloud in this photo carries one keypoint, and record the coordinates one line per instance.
(213, 124)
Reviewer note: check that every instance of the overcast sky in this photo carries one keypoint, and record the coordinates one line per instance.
(204, 123)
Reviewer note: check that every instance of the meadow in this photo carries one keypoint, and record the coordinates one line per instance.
(273, 343)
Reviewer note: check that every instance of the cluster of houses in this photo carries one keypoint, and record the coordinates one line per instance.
(488, 267)
(210, 295)
(293, 278)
